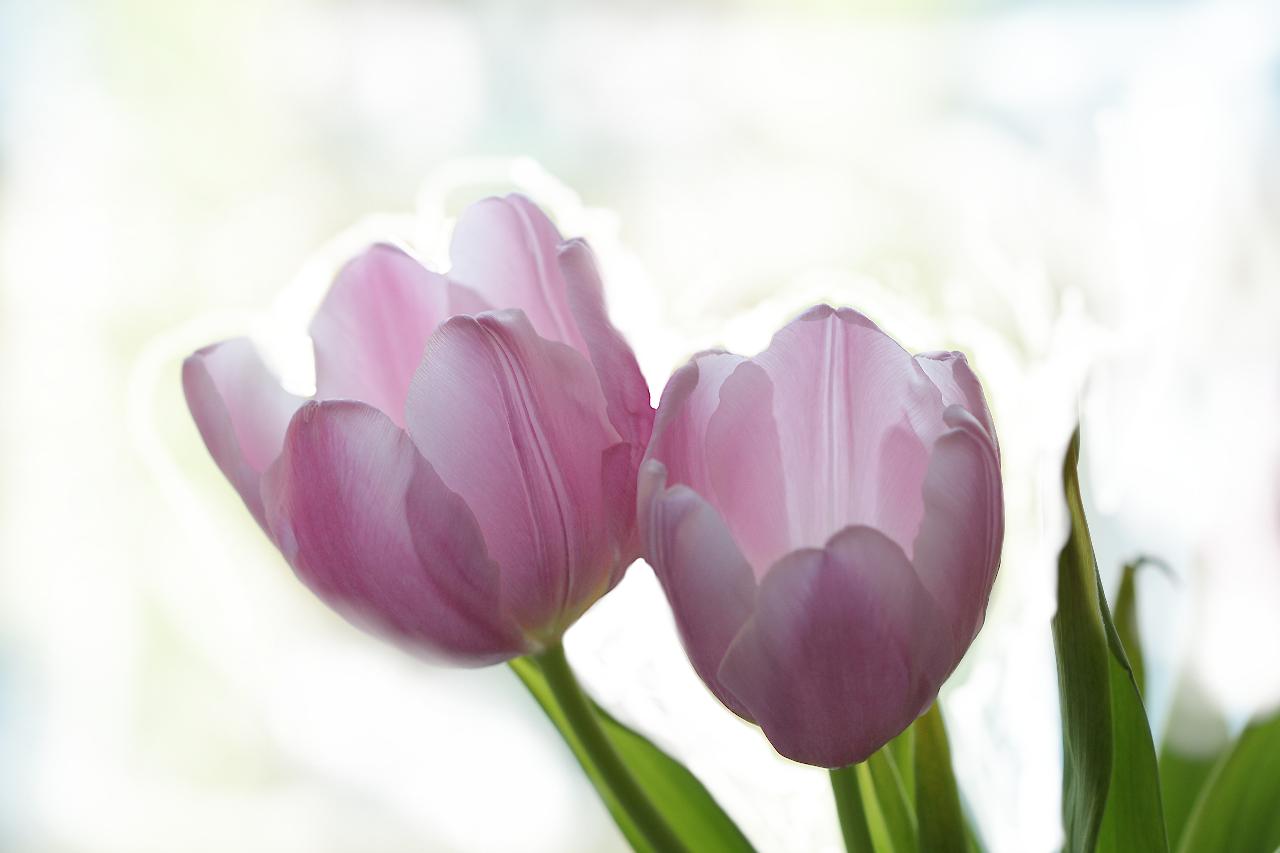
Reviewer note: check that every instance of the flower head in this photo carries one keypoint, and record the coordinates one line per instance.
(464, 479)
(826, 520)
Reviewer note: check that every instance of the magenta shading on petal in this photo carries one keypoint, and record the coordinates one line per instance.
(373, 531)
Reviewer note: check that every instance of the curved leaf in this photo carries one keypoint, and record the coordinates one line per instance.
(941, 821)
(684, 802)
(903, 750)
(1239, 809)
(1127, 623)
(890, 817)
(851, 810)
(1195, 740)
(1111, 787)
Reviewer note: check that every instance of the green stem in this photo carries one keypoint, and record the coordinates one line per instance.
(586, 726)
(853, 818)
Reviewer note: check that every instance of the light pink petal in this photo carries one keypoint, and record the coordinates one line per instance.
(241, 412)
(371, 529)
(856, 415)
(625, 391)
(951, 374)
(709, 584)
(744, 462)
(958, 549)
(680, 428)
(842, 653)
(505, 249)
(516, 424)
(373, 325)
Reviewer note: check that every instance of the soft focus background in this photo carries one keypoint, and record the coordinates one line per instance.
(1085, 198)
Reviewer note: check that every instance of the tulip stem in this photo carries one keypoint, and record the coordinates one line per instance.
(599, 750)
(853, 816)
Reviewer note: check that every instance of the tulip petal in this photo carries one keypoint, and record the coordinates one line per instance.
(848, 399)
(957, 551)
(242, 413)
(691, 397)
(505, 249)
(841, 654)
(744, 462)
(373, 325)
(625, 390)
(516, 425)
(371, 529)
(709, 584)
(955, 380)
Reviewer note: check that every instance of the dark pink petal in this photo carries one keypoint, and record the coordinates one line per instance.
(619, 473)
(958, 549)
(371, 529)
(709, 584)
(856, 415)
(373, 326)
(505, 249)
(843, 651)
(241, 412)
(516, 425)
(951, 374)
(625, 391)
(744, 462)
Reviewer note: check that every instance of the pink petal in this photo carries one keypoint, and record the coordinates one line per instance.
(516, 424)
(841, 654)
(371, 529)
(951, 374)
(744, 462)
(505, 250)
(680, 428)
(958, 550)
(625, 390)
(373, 326)
(619, 472)
(241, 412)
(856, 416)
(709, 584)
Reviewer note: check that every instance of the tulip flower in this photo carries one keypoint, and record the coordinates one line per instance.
(826, 521)
(464, 479)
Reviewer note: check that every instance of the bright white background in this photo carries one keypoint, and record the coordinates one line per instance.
(1086, 200)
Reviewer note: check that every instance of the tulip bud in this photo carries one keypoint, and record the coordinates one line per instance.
(464, 479)
(826, 521)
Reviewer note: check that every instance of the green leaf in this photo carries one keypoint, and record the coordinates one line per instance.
(1127, 623)
(903, 750)
(851, 810)
(941, 822)
(889, 813)
(1110, 786)
(1195, 741)
(1182, 778)
(1127, 616)
(683, 801)
(1239, 808)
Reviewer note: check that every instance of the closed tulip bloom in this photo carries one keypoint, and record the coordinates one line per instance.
(464, 479)
(826, 520)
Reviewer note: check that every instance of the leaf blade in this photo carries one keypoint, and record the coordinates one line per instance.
(1111, 786)
(682, 799)
(1237, 810)
(1127, 623)
(891, 797)
(941, 820)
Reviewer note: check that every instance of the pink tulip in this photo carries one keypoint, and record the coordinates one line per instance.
(464, 479)
(826, 520)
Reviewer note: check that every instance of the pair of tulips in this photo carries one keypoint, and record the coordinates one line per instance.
(481, 462)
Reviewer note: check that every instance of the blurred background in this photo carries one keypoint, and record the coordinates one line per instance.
(1083, 197)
